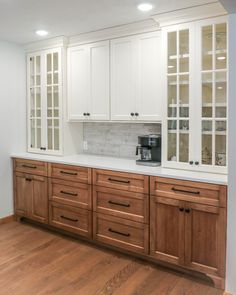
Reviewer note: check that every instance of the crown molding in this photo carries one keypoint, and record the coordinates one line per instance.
(148, 25)
(61, 41)
(194, 13)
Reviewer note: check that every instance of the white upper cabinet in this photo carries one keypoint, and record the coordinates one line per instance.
(136, 87)
(44, 102)
(195, 128)
(88, 82)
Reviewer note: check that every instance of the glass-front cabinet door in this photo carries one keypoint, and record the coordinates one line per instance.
(195, 129)
(44, 94)
(214, 95)
(178, 59)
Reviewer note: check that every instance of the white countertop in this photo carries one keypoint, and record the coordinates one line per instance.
(125, 165)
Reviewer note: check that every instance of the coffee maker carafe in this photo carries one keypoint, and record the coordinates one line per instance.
(149, 150)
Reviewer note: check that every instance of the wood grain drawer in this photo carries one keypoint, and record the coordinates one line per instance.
(121, 180)
(70, 193)
(118, 232)
(128, 205)
(202, 193)
(75, 220)
(71, 173)
(30, 167)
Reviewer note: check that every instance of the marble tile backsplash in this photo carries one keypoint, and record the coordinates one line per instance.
(116, 139)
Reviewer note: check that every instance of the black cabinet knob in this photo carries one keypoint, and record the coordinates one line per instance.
(191, 162)
(196, 163)
(43, 148)
(136, 114)
(84, 114)
(187, 210)
(132, 114)
(181, 209)
(88, 114)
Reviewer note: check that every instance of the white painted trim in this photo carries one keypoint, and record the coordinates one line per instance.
(46, 44)
(189, 14)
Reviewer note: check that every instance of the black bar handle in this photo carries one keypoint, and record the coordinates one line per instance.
(118, 203)
(69, 193)
(29, 166)
(70, 219)
(43, 148)
(185, 191)
(119, 233)
(117, 180)
(68, 173)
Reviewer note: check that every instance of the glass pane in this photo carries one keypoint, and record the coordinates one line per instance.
(50, 144)
(37, 71)
(49, 62)
(184, 96)
(56, 139)
(56, 96)
(221, 46)
(38, 103)
(172, 96)
(220, 143)
(172, 140)
(32, 102)
(184, 147)
(172, 52)
(207, 82)
(49, 79)
(38, 133)
(221, 95)
(32, 71)
(184, 51)
(49, 97)
(207, 142)
(33, 131)
(207, 48)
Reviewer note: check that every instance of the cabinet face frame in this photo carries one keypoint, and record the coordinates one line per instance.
(195, 101)
(43, 86)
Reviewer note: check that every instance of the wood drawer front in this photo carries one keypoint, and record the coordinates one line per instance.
(118, 232)
(128, 205)
(31, 167)
(71, 173)
(121, 180)
(199, 192)
(70, 193)
(75, 220)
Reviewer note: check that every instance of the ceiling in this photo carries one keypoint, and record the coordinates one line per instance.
(20, 18)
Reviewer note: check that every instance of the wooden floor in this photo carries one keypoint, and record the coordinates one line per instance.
(35, 261)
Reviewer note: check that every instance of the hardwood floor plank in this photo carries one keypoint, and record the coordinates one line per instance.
(39, 262)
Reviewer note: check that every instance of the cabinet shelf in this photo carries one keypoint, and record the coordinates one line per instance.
(216, 132)
(172, 57)
(179, 131)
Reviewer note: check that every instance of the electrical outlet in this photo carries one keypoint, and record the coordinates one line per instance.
(85, 145)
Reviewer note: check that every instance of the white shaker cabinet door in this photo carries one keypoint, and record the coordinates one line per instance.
(150, 95)
(78, 73)
(123, 78)
(99, 81)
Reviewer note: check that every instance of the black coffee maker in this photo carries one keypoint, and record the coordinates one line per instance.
(149, 149)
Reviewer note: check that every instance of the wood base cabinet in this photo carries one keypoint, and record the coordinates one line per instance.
(190, 235)
(31, 197)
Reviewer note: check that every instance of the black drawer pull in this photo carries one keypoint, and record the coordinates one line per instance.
(69, 193)
(70, 219)
(29, 166)
(118, 203)
(119, 233)
(68, 173)
(117, 180)
(28, 179)
(181, 209)
(184, 191)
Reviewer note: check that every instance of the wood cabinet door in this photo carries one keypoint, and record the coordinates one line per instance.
(205, 236)
(167, 230)
(23, 189)
(39, 199)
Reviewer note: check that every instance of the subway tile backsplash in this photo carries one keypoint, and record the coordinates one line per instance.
(116, 139)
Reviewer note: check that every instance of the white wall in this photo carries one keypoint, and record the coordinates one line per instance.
(12, 117)
(231, 234)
